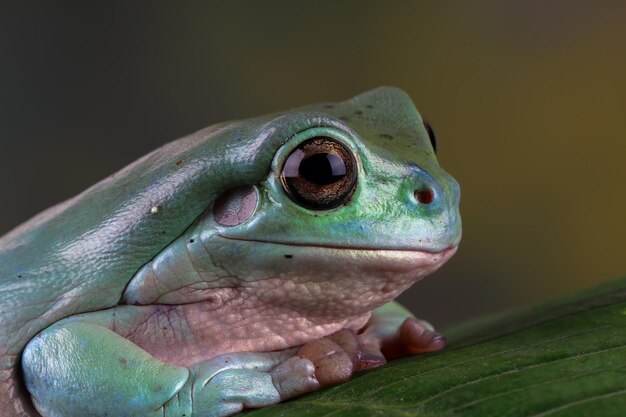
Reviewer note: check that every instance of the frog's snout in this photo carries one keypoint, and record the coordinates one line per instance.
(432, 198)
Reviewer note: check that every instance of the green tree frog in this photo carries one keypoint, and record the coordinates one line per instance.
(245, 264)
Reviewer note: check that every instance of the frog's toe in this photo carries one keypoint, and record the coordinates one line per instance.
(294, 377)
(414, 337)
(420, 337)
(335, 357)
(370, 357)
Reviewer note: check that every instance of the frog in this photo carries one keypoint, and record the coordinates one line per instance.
(246, 264)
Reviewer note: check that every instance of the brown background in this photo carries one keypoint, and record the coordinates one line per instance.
(528, 100)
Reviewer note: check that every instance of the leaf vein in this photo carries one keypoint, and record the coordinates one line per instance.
(579, 402)
(521, 369)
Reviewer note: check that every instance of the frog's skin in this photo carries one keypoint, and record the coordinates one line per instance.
(142, 296)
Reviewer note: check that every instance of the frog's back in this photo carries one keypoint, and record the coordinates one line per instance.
(78, 256)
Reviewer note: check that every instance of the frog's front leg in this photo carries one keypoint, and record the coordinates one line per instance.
(84, 369)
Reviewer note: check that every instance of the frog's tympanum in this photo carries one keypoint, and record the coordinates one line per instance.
(240, 266)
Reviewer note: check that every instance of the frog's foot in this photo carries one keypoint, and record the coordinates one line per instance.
(338, 356)
(229, 383)
(252, 380)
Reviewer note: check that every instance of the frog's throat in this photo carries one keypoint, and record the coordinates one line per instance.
(315, 292)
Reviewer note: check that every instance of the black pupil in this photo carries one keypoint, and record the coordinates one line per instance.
(323, 168)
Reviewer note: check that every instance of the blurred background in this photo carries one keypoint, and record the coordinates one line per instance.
(527, 98)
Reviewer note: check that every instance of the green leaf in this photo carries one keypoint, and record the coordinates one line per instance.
(566, 358)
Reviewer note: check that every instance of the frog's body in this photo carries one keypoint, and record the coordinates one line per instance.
(140, 295)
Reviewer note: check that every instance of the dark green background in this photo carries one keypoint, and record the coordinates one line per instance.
(528, 99)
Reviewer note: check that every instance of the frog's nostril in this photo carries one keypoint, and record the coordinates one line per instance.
(424, 195)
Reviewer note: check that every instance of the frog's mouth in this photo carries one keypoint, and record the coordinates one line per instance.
(452, 247)
(396, 259)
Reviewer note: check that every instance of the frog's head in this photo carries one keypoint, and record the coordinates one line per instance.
(350, 208)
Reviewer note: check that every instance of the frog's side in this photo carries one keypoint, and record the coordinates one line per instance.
(145, 296)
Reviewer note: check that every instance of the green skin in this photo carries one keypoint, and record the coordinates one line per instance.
(130, 299)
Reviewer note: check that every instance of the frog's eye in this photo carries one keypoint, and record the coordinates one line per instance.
(431, 135)
(319, 174)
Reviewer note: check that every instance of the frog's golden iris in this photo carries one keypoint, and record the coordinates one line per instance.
(320, 174)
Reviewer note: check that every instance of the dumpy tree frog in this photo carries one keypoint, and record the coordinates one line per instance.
(240, 266)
